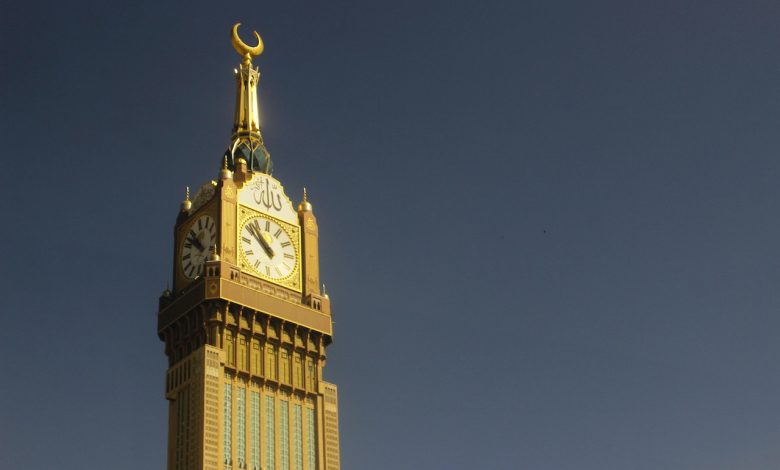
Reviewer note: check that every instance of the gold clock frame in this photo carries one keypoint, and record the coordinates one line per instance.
(293, 281)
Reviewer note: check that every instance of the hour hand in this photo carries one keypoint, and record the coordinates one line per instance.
(194, 240)
(266, 247)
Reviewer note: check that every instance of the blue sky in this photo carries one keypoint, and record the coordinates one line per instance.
(549, 229)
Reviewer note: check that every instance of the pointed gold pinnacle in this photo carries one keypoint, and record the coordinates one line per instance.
(186, 204)
(305, 205)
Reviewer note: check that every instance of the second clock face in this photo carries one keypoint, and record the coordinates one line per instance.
(267, 248)
(198, 241)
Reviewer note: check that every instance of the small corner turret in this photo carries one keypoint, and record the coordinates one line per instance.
(310, 256)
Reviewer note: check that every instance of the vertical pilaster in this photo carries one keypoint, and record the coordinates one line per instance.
(227, 234)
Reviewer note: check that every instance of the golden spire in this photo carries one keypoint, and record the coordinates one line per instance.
(213, 256)
(225, 173)
(247, 141)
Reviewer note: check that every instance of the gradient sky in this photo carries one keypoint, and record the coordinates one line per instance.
(550, 230)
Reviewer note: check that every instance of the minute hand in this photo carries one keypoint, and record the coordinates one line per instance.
(255, 232)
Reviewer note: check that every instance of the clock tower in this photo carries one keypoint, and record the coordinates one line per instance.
(246, 324)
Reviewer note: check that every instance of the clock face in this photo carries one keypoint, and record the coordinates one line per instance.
(266, 248)
(198, 242)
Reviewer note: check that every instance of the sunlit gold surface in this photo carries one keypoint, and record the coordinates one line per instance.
(233, 335)
(247, 52)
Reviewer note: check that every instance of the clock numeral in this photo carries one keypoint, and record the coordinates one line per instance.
(285, 244)
(267, 225)
(249, 252)
(200, 224)
(267, 271)
(187, 256)
(277, 233)
(257, 264)
(287, 266)
(289, 256)
(278, 273)
(246, 240)
(188, 244)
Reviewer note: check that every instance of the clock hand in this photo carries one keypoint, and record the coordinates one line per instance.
(266, 247)
(253, 231)
(257, 233)
(194, 240)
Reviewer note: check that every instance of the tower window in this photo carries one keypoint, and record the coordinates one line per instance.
(270, 439)
(241, 426)
(228, 444)
(254, 430)
(284, 435)
(310, 439)
(297, 437)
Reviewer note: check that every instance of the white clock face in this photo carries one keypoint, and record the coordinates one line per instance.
(197, 244)
(267, 248)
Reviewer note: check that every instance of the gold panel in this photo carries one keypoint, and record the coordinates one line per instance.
(229, 231)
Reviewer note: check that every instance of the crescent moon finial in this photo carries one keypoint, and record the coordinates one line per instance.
(247, 52)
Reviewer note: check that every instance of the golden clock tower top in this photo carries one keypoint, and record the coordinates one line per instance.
(246, 325)
(247, 140)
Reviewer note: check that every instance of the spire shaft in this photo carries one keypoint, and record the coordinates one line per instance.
(246, 119)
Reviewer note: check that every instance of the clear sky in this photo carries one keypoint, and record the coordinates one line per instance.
(550, 230)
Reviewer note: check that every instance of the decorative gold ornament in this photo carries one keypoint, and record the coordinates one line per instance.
(225, 172)
(305, 205)
(186, 204)
(243, 49)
